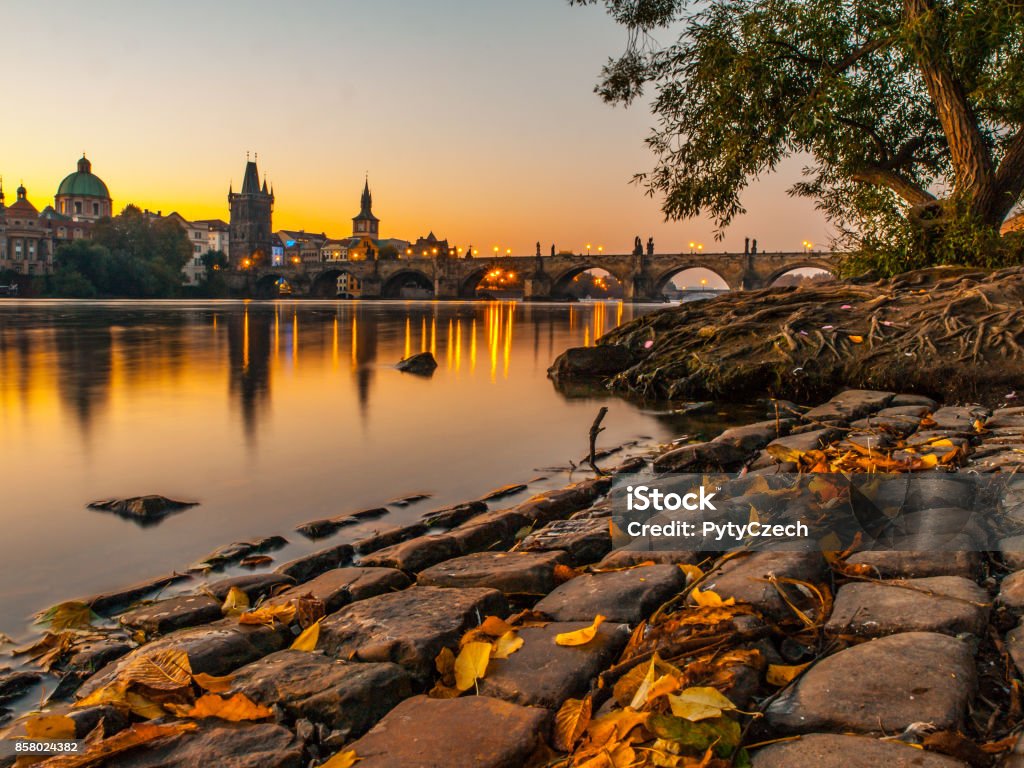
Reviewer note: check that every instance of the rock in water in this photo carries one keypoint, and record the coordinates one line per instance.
(143, 509)
(422, 364)
(586, 362)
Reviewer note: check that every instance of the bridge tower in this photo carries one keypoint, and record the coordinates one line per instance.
(251, 226)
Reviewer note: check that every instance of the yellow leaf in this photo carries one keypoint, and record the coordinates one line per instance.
(754, 517)
(235, 603)
(268, 614)
(780, 675)
(652, 688)
(699, 703)
(506, 645)
(109, 694)
(580, 636)
(342, 760)
(166, 670)
(571, 721)
(616, 724)
(142, 706)
(97, 753)
(73, 614)
(692, 572)
(308, 639)
(43, 727)
(214, 684)
(495, 627)
(471, 664)
(857, 339)
(236, 709)
(709, 598)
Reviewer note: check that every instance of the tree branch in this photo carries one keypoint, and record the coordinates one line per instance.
(902, 186)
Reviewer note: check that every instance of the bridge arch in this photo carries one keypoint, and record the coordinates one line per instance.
(268, 286)
(392, 288)
(664, 278)
(560, 284)
(824, 266)
(325, 284)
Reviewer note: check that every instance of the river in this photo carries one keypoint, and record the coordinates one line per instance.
(269, 415)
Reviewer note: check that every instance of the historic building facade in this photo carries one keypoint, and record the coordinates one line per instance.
(82, 195)
(251, 225)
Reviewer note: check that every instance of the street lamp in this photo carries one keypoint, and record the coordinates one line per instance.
(600, 250)
(588, 250)
(693, 245)
(508, 251)
(495, 251)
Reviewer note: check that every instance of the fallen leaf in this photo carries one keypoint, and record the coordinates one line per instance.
(342, 760)
(214, 684)
(237, 709)
(308, 639)
(580, 636)
(471, 664)
(42, 727)
(692, 572)
(445, 663)
(781, 675)
(496, 627)
(856, 339)
(73, 614)
(506, 645)
(268, 614)
(709, 598)
(97, 753)
(699, 703)
(571, 721)
(167, 670)
(235, 603)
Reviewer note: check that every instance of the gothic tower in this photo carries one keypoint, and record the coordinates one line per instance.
(366, 224)
(251, 228)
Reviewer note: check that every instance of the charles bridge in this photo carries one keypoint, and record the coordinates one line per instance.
(644, 277)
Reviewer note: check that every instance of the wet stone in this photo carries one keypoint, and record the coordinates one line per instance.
(389, 537)
(235, 553)
(627, 558)
(174, 613)
(341, 695)
(503, 492)
(850, 405)
(341, 586)
(1011, 593)
(318, 529)
(512, 573)
(449, 517)
(959, 419)
(830, 750)
(584, 540)
(544, 674)
(215, 649)
(947, 604)
(621, 596)
(881, 686)
(755, 437)
(935, 556)
(312, 565)
(409, 627)
(414, 555)
(745, 578)
(560, 504)
(223, 745)
(476, 731)
(256, 586)
(489, 531)
(14, 684)
(112, 602)
(703, 457)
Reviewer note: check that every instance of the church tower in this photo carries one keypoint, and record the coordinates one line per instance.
(250, 242)
(366, 224)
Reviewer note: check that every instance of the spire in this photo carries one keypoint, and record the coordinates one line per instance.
(84, 166)
(251, 182)
(1, 191)
(265, 192)
(366, 202)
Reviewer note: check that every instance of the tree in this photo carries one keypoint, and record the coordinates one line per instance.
(912, 112)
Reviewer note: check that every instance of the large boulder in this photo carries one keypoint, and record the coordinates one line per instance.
(590, 362)
(421, 364)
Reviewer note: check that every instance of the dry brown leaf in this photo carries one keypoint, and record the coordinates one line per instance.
(571, 721)
(43, 727)
(72, 614)
(342, 760)
(269, 614)
(97, 753)
(237, 709)
(214, 684)
(166, 670)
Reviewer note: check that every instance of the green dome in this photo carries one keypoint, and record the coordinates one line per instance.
(83, 183)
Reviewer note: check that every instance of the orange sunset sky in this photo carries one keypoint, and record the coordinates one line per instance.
(475, 120)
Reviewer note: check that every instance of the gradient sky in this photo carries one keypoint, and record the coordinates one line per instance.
(476, 120)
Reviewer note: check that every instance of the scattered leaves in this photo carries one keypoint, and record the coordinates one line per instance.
(700, 703)
(710, 599)
(98, 752)
(73, 614)
(214, 684)
(571, 721)
(308, 639)
(238, 708)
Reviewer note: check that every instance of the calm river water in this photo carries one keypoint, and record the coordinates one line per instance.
(270, 414)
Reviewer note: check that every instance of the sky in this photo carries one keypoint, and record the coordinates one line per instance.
(477, 121)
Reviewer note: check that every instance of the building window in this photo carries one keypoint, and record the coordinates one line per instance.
(78, 207)
(95, 209)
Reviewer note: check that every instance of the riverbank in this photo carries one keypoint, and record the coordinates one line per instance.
(474, 639)
(954, 334)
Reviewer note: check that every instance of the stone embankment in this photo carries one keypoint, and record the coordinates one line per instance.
(524, 636)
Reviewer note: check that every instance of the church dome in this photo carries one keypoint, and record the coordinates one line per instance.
(83, 183)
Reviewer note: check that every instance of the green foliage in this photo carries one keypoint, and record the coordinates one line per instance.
(129, 256)
(897, 105)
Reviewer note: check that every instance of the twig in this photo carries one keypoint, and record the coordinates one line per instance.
(595, 430)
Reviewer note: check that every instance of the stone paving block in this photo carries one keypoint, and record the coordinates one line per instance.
(830, 750)
(215, 649)
(755, 437)
(512, 573)
(256, 586)
(944, 557)
(544, 674)
(408, 627)
(219, 745)
(173, 613)
(309, 566)
(468, 732)
(1011, 593)
(388, 537)
(584, 540)
(622, 596)
(947, 604)
(702, 457)
(490, 531)
(960, 419)
(850, 405)
(414, 555)
(746, 578)
(560, 504)
(341, 586)
(341, 695)
(881, 686)
(790, 448)
(901, 400)
(627, 558)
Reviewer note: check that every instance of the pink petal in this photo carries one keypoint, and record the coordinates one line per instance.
(648, 344)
